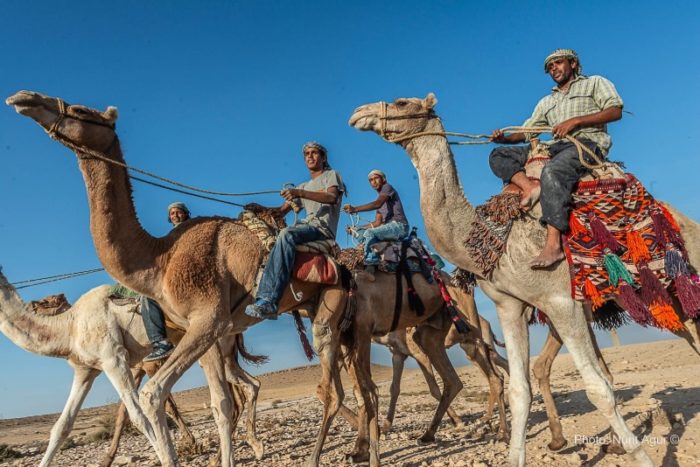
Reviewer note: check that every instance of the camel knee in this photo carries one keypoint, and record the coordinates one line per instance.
(603, 398)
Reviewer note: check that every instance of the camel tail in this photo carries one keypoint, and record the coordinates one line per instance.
(243, 352)
(301, 329)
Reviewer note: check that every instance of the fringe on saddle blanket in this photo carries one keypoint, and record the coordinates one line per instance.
(486, 240)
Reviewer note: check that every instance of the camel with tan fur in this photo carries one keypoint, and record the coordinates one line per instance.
(374, 317)
(402, 345)
(513, 286)
(201, 273)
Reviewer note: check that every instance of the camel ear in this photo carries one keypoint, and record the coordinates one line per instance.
(430, 101)
(111, 114)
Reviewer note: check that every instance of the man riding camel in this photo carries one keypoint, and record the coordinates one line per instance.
(579, 106)
(320, 197)
(389, 223)
(151, 313)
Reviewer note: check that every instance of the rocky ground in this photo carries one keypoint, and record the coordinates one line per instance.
(656, 385)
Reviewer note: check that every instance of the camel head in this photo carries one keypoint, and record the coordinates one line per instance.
(396, 120)
(70, 124)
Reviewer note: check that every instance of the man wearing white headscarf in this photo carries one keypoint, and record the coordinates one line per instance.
(320, 197)
(151, 313)
(390, 221)
(579, 106)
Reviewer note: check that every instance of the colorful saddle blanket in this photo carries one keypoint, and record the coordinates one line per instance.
(389, 257)
(625, 245)
(313, 267)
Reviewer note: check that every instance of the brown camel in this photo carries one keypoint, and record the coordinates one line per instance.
(375, 313)
(201, 273)
(512, 286)
(402, 346)
(244, 387)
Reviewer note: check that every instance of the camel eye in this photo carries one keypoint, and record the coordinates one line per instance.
(401, 103)
(79, 111)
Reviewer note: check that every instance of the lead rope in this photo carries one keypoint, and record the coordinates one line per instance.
(486, 139)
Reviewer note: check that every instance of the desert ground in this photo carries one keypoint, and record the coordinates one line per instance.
(656, 386)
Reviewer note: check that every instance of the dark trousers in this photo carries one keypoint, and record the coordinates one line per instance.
(558, 178)
(153, 320)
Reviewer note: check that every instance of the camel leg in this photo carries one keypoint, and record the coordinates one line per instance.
(426, 364)
(367, 402)
(246, 389)
(496, 391)
(511, 314)
(542, 369)
(327, 343)
(119, 374)
(425, 338)
(221, 401)
(397, 364)
(204, 330)
(119, 422)
(82, 382)
(570, 322)
(172, 410)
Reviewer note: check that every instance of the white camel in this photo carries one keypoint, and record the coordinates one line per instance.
(513, 286)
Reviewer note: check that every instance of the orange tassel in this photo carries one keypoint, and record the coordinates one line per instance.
(576, 229)
(665, 316)
(669, 217)
(591, 292)
(637, 250)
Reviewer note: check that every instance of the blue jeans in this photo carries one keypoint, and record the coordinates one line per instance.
(153, 319)
(278, 270)
(389, 231)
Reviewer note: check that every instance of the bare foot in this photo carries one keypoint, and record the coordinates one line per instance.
(530, 198)
(547, 258)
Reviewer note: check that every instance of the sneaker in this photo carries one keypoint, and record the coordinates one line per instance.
(160, 351)
(261, 309)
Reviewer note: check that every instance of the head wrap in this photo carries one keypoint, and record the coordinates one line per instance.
(179, 205)
(563, 53)
(377, 172)
(320, 147)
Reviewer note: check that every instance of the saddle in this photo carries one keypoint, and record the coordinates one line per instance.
(50, 305)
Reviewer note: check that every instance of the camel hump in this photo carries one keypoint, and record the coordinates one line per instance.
(50, 305)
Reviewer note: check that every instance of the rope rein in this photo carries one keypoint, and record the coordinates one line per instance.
(54, 134)
(59, 277)
(485, 139)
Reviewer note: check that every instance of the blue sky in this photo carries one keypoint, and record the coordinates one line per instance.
(223, 94)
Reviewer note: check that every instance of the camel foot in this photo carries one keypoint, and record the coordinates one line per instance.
(504, 436)
(557, 445)
(386, 426)
(357, 457)
(614, 448)
(427, 438)
(530, 198)
(258, 450)
(547, 259)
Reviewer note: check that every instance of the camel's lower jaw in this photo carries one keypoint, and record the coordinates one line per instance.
(361, 122)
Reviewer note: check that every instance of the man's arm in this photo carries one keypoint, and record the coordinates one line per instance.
(376, 204)
(330, 196)
(514, 138)
(378, 220)
(608, 115)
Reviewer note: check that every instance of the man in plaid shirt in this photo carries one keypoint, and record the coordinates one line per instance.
(580, 106)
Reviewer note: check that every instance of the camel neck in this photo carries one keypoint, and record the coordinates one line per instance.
(447, 213)
(43, 335)
(125, 249)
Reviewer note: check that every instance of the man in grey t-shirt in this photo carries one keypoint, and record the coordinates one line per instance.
(321, 197)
